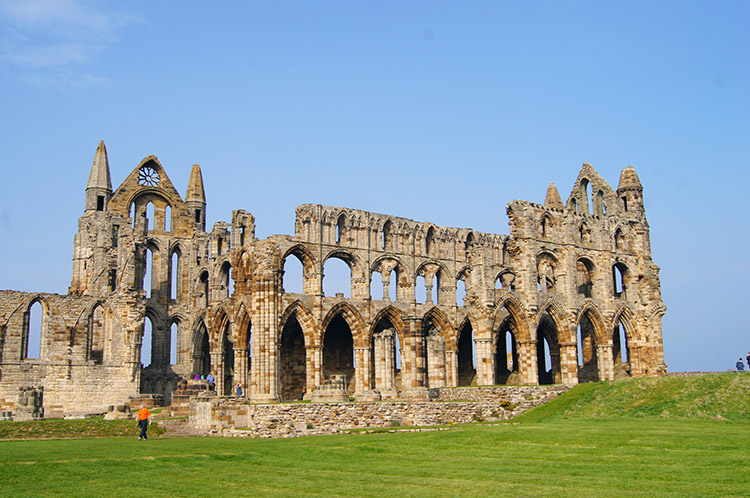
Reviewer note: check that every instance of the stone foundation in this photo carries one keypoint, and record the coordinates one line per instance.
(227, 416)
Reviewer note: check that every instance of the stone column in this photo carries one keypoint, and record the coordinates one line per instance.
(605, 362)
(485, 360)
(362, 372)
(240, 369)
(451, 368)
(436, 361)
(217, 369)
(568, 363)
(528, 369)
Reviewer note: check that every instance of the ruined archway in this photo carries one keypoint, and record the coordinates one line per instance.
(588, 363)
(338, 351)
(292, 361)
(548, 350)
(466, 369)
(386, 358)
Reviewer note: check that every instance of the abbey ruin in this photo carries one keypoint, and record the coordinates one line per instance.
(571, 295)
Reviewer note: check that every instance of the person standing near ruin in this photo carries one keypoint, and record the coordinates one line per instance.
(239, 390)
(211, 381)
(144, 420)
(748, 361)
(740, 366)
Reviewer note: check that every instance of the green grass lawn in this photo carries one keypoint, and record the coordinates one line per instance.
(655, 444)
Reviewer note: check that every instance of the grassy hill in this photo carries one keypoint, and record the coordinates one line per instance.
(721, 396)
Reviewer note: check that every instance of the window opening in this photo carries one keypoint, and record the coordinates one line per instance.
(337, 278)
(293, 275)
(148, 274)
(168, 219)
(174, 276)
(100, 203)
(147, 342)
(34, 331)
(173, 331)
(150, 216)
(460, 292)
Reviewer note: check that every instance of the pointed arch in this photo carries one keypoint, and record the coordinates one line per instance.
(517, 311)
(435, 316)
(393, 315)
(306, 320)
(353, 319)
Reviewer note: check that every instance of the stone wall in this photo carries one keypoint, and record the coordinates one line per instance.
(570, 277)
(226, 416)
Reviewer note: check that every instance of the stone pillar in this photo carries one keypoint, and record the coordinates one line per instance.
(528, 368)
(485, 360)
(451, 368)
(311, 370)
(362, 372)
(436, 361)
(240, 369)
(605, 362)
(568, 363)
(217, 369)
(386, 286)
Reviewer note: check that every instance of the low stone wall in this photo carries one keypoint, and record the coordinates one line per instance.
(228, 416)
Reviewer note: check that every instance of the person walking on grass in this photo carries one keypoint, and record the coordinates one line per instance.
(144, 420)
(740, 366)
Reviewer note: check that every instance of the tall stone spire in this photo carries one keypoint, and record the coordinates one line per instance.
(553, 199)
(630, 192)
(99, 186)
(196, 198)
(629, 180)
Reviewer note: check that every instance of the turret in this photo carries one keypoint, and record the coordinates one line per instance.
(196, 198)
(553, 199)
(99, 187)
(630, 192)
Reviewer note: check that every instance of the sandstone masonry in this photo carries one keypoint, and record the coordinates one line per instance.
(571, 295)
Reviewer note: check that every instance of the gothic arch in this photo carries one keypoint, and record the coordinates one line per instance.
(305, 256)
(597, 320)
(437, 317)
(393, 315)
(516, 310)
(352, 318)
(560, 318)
(306, 321)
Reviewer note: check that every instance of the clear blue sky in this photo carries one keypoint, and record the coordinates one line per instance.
(435, 111)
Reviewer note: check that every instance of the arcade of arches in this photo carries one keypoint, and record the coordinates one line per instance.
(393, 306)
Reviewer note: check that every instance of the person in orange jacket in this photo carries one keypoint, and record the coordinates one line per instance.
(144, 420)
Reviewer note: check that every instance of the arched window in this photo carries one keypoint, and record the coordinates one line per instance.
(460, 291)
(468, 244)
(340, 227)
(430, 242)
(420, 290)
(386, 235)
(173, 333)
(32, 347)
(337, 278)
(150, 216)
(293, 275)
(96, 334)
(147, 342)
(586, 191)
(226, 278)
(174, 275)
(168, 219)
(393, 286)
(584, 277)
(599, 207)
(619, 272)
(204, 288)
(148, 272)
